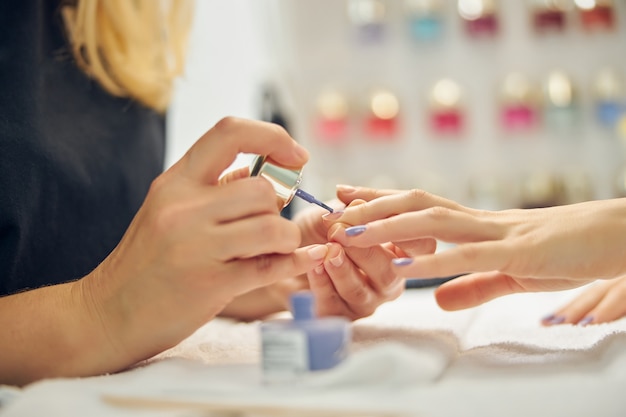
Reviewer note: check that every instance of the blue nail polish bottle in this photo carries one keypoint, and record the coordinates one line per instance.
(290, 348)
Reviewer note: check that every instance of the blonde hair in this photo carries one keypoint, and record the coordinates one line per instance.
(133, 48)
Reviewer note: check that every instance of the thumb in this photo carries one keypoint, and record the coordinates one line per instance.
(217, 149)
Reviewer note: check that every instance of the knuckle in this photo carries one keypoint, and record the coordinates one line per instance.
(226, 124)
(438, 213)
(416, 194)
(263, 264)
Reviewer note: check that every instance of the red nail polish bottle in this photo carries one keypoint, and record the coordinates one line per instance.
(446, 113)
(382, 118)
(332, 116)
(596, 14)
(480, 17)
(549, 15)
(518, 103)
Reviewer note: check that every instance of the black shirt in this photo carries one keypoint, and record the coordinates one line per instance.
(75, 162)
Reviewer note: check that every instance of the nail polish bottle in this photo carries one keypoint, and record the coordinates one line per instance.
(306, 343)
(518, 103)
(542, 189)
(368, 19)
(610, 97)
(383, 112)
(480, 17)
(286, 182)
(425, 19)
(446, 108)
(332, 116)
(596, 14)
(560, 102)
(549, 15)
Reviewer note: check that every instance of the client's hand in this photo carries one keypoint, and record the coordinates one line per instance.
(500, 252)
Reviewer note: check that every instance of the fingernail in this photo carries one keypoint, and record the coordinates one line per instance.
(302, 152)
(337, 260)
(402, 261)
(585, 321)
(556, 320)
(355, 230)
(547, 318)
(319, 269)
(346, 189)
(333, 216)
(318, 252)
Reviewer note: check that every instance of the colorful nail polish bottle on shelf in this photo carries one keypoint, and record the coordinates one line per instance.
(518, 103)
(542, 189)
(480, 17)
(560, 102)
(425, 19)
(609, 91)
(382, 118)
(368, 19)
(549, 15)
(446, 108)
(596, 14)
(294, 347)
(332, 116)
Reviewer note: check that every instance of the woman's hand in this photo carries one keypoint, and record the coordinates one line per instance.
(601, 302)
(500, 252)
(197, 243)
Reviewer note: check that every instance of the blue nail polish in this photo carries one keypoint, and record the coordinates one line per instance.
(557, 320)
(585, 321)
(548, 318)
(402, 261)
(355, 230)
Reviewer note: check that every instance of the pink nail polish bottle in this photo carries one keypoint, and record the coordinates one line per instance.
(332, 116)
(518, 103)
(446, 109)
(480, 17)
(381, 121)
(293, 348)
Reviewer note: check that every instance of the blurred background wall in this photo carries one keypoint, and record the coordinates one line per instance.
(496, 104)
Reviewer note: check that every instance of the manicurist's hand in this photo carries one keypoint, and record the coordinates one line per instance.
(500, 252)
(195, 244)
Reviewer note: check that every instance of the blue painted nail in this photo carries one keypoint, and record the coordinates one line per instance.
(548, 318)
(585, 321)
(556, 320)
(402, 261)
(355, 230)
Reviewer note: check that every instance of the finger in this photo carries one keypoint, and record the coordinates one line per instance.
(349, 282)
(328, 302)
(253, 236)
(348, 193)
(244, 198)
(578, 308)
(475, 289)
(217, 149)
(611, 307)
(390, 203)
(234, 175)
(248, 274)
(375, 264)
(417, 247)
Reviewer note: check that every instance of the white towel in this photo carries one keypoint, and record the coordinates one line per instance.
(410, 357)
